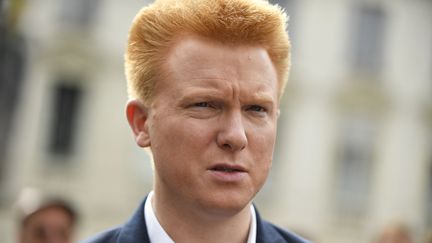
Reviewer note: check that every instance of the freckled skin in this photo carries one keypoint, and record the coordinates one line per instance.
(216, 104)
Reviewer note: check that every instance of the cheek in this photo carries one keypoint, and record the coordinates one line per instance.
(196, 135)
(262, 150)
(180, 142)
(262, 142)
(181, 131)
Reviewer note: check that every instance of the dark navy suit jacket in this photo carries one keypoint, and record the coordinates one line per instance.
(135, 231)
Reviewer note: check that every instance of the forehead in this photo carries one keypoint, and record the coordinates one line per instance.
(206, 61)
(50, 214)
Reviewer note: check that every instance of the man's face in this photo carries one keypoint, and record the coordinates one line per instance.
(212, 124)
(51, 225)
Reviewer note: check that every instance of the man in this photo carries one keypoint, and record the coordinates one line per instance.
(50, 221)
(205, 78)
(395, 232)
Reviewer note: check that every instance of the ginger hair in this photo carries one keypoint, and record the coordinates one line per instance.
(234, 22)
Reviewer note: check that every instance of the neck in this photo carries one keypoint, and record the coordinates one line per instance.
(186, 223)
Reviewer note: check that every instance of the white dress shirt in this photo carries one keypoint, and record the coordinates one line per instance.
(158, 235)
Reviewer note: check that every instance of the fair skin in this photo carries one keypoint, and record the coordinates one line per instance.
(211, 127)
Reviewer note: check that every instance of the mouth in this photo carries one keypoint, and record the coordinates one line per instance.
(228, 173)
(227, 168)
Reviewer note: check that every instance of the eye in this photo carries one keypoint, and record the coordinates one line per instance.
(202, 110)
(201, 104)
(256, 108)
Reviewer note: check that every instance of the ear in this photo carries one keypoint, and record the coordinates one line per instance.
(137, 115)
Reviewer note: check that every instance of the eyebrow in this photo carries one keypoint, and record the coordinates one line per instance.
(210, 87)
(263, 97)
(200, 92)
(214, 93)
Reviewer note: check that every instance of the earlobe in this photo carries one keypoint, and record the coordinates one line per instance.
(137, 115)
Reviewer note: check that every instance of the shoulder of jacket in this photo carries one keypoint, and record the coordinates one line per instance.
(108, 236)
(287, 236)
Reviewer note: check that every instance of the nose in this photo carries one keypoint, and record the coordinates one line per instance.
(232, 133)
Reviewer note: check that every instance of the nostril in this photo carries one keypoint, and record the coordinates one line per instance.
(231, 147)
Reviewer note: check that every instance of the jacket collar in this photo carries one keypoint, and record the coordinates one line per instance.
(135, 230)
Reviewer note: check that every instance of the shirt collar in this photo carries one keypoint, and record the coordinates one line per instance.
(157, 233)
(252, 227)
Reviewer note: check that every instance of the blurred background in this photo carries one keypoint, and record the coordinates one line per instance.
(354, 151)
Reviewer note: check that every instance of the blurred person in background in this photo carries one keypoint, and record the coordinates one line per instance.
(205, 78)
(395, 233)
(45, 220)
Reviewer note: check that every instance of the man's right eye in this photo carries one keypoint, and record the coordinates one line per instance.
(201, 104)
(202, 110)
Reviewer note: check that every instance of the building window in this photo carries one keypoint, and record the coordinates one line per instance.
(368, 39)
(353, 174)
(67, 98)
(13, 58)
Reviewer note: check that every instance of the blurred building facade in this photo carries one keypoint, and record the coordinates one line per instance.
(354, 147)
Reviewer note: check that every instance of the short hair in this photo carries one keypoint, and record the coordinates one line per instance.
(238, 22)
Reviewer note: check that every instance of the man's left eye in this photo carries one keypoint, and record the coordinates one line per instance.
(256, 108)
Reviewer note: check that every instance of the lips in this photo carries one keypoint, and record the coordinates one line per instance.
(227, 168)
(228, 174)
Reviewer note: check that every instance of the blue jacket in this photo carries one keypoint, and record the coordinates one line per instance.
(135, 231)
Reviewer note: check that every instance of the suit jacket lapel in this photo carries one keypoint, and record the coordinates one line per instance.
(135, 230)
(266, 233)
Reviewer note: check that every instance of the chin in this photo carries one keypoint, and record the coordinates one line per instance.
(225, 203)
